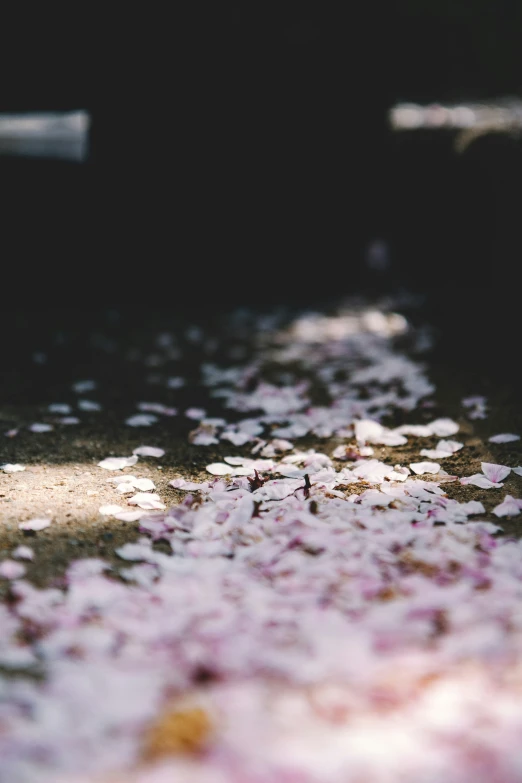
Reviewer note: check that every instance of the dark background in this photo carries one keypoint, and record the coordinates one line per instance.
(241, 154)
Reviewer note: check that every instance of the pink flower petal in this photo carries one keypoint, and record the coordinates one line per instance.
(10, 569)
(504, 437)
(23, 552)
(510, 507)
(149, 451)
(425, 467)
(495, 473)
(35, 524)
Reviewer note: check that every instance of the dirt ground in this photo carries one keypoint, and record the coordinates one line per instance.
(62, 480)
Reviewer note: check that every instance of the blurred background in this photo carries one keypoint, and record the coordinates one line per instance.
(253, 154)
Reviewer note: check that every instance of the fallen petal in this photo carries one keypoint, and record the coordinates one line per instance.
(504, 437)
(425, 467)
(495, 473)
(149, 451)
(35, 524)
(117, 463)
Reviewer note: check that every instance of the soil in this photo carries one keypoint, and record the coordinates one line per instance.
(62, 480)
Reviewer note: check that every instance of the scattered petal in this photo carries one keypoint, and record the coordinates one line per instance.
(510, 507)
(146, 501)
(35, 524)
(141, 420)
(58, 407)
(69, 420)
(443, 427)
(219, 469)
(495, 473)
(117, 463)
(12, 468)
(9, 569)
(157, 407)
(149, 451)
(504, 437)
(195, 413)
(39, 427)
(110, 510)
(129, 516)
(479, 480)
(23, 552)
(89, 406)
(518, 471)
(425, 467)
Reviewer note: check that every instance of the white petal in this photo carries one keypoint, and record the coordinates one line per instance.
(196, 413)
(83, 386)
(34, 524)
(435, 453)
(10, 569)
(89, 405)
(12, 468)
(450, 445)
(141, 420)
(38, 427)
(510, 507)
(479, 480)
(144, 484)
(146, 501)
(425, 467)
(443, 427)
(110, 510)
(69, 420)
(219, 469)
(129, 516)
(149, 451)
(58, 407)
(504, 437)
(518, 471)
(495, 473)
(117, 463)
(24, 552)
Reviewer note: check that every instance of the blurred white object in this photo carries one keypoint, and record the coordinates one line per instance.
(46, 134)
(472, 119)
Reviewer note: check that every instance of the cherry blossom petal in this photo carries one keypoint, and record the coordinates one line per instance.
(12, 468)
(219, 469)
(149, 451)
(495, 473)
(58, 407)
(23, 552)
(128, 516)
(89, 406)
(504, 437)
(479, 480)
(39, 523)
(40, 427)
(425, 467)
(510, 507)
(443, 427)
(141, 420)
(10, 569)
(110, 510)
(117, 463)
(146, 501)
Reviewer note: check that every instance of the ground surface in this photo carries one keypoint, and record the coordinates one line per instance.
(106, 640)
(62, 481)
